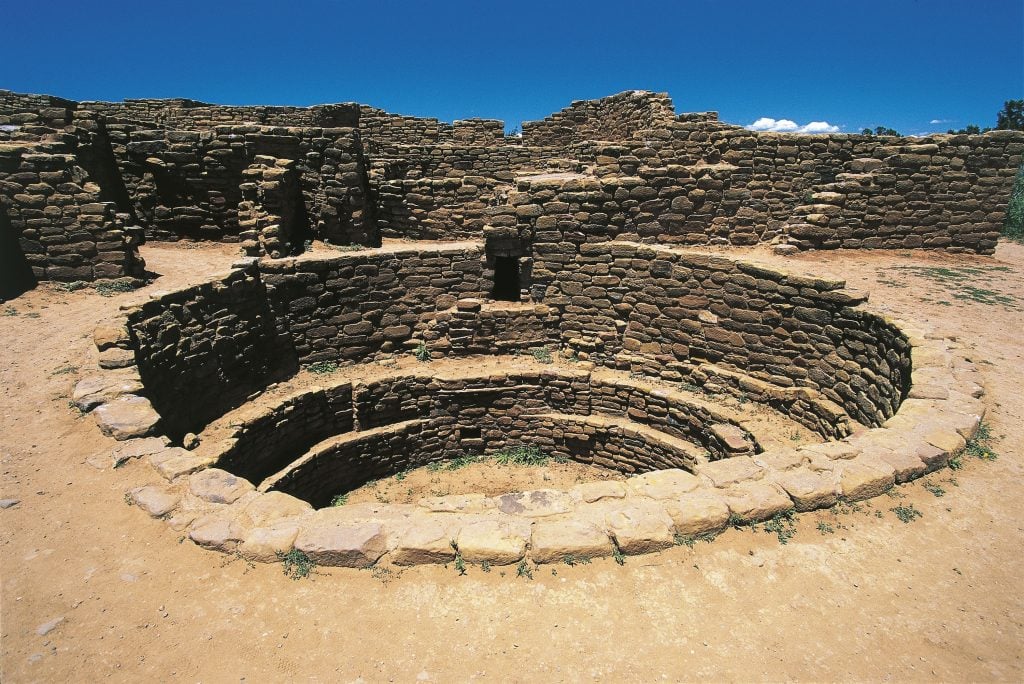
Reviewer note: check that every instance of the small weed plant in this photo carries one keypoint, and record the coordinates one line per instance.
(322, 367)
(542, 354)
(978, 446)
(524, 570)
(296, 564)
(907, 514)
(825, 528)
(113, 287)
(782, 526)
(340, 500)
(521, 455)
(421, 352)
(935, 489)
(619, 557)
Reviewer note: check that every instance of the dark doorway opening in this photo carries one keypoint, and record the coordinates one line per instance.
(506, 278)
(15, 273)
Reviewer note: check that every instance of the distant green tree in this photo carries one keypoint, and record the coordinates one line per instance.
(970, 129)
(1011, 118)
(881, 130)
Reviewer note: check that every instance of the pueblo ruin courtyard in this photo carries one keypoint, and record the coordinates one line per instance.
(389, 354)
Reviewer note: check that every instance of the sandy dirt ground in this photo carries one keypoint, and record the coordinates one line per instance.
(93, 590)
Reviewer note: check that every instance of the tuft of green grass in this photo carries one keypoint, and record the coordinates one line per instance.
(617, 554)
(340, 500)
(907, 514)
(825, 528)
(524, 570)
(485, 566)
(573, 560)
(113, 287)
(460, 565)
(935, 489)
(978, 446)
(782, 526)
(521, 455)
(296, 564)
(421, 352)
(322, 367)
(542, 354)
(683, 540)
(461, 462)
(10, 311)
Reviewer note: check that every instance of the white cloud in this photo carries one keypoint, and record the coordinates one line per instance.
(940, 121)
(766, 123)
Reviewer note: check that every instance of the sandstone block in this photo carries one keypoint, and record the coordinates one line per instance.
(264, 544)
(664, 484)
(730, 471)
(905, 464)
(860, 479)
(93, 390)
(116, 358)
(589, 492)
(535, 504)
(808, 489)
(110, 336)
(499, 542)
(352, 545)
(756, 501)
(155, 500)
(216, 532)
(423, 541)
(273, 507)
(554, 540)
(218, 486)
(640, 527)
(698, 512)
(174, 462)
(126, 418)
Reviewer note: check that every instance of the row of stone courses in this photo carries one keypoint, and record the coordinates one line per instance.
(646, 513)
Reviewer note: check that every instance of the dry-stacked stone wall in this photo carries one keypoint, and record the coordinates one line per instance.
(353, 306)
(175, 167)
(184, 114)
(270, 212)
(204, 350)
(674, 311)
(187, 183)
(696, 463)
(625, 116)
(64, 229)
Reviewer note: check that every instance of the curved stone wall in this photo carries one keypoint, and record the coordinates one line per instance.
(698, 322)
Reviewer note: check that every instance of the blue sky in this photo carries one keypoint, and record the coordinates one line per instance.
(899, 63)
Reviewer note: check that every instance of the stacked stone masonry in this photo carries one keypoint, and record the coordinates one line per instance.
(559, 302)
(175, 168)
(275, 450)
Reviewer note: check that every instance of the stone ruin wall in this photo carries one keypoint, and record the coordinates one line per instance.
(177, 169)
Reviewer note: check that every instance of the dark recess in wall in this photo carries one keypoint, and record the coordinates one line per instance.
(15, 273)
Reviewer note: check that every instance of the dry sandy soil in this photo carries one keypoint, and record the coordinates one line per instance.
(939, 598)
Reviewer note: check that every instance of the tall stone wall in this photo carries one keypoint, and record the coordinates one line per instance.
(184, 114)
(188, 183)
(663, 309)
(353, 306)
(204, 350)
(627, 116)
(64, 229)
